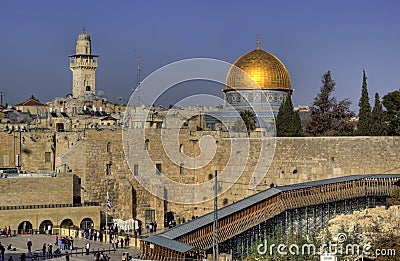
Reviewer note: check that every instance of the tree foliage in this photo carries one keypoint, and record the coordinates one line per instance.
(329, 117)
(378, 126)
(249, 120)
(391, 101)
(288, 123)
(364, 115)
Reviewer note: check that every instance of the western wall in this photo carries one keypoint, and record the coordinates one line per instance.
(98, 159)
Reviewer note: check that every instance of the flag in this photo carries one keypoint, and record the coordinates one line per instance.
(108, 202)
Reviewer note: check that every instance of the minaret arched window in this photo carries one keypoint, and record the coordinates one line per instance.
(88, 88)
(146, 144)
(109, 146)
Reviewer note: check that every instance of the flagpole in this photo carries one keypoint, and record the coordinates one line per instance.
(105, 239)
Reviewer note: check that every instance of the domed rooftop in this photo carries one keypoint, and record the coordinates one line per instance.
(84, 36)
(264, 68)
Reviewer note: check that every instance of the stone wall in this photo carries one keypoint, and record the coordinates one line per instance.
(295, 160)
(87, 154)
(25, 191)
(15, 218)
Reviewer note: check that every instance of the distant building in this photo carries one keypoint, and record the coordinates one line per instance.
(83, 65)
(32, 106)
(304, 113)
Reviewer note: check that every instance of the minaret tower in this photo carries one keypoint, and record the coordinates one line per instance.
(83, 66)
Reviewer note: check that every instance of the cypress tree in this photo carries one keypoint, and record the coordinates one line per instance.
(378, 119)
(364, 115)
(288, 123)
(249, 119)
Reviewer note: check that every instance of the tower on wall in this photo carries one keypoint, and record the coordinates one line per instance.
(83, 65)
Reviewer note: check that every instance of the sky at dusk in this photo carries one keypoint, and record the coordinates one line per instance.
(309, 37)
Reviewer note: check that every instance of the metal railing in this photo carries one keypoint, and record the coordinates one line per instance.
(75, 252)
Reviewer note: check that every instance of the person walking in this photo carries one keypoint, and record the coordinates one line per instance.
(87, 247)
(2, 249)
(50, 250)
(29, 245)
(44, 250)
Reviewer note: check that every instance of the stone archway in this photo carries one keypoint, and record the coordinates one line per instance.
(25, 227)
(67, 223)
(87, 223)
(46, 227)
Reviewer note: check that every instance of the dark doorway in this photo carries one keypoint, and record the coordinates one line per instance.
(25, 227)
(169, 217)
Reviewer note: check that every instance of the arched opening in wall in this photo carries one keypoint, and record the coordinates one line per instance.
(67, 223)
(180, 148)
(88, 88)
(169, 219)
(25, 227)
(146, 144)
(45, 227)
(87, 223)
(109, 146)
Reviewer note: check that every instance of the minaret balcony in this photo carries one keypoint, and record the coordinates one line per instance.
(92, 64)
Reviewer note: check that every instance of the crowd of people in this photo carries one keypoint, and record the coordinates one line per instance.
(6, 231)
(64, 245)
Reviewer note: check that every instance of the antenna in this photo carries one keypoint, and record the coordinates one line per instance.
(139, 69)
(138, 78)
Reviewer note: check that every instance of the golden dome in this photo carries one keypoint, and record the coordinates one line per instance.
(264, 69)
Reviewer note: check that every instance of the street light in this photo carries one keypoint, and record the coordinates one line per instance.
(215, 236)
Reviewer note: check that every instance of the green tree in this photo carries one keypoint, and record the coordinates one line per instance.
(391, 101)
(249, 120)
(378, 119)
(395, 197)
(364, 115)
(328, 116)
(288, 123)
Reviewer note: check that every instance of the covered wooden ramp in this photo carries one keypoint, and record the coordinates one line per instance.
(162, 248)
(196, 236)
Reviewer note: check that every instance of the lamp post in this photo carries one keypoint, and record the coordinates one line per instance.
(215, 236)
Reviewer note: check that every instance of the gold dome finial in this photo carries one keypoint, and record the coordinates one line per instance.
(258, 42)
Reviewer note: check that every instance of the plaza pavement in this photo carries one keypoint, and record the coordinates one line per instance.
(19, 242)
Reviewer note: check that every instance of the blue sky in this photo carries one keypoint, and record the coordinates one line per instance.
(309, 37)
